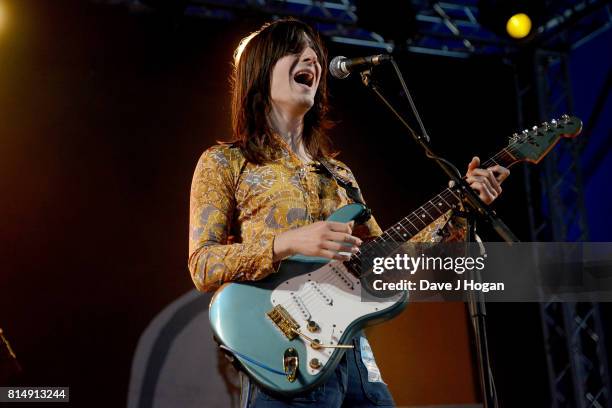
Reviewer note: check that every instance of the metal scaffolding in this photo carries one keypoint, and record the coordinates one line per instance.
(573, 332)
(446, 28)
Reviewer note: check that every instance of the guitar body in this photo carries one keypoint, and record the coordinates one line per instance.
(309, 290)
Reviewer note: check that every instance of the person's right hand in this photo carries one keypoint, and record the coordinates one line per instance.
(323, 238)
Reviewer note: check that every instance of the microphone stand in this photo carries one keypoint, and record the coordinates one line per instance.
(475, 208)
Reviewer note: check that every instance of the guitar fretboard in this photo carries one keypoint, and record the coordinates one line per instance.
(406, 228)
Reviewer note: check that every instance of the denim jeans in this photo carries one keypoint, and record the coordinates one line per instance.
(349, 386)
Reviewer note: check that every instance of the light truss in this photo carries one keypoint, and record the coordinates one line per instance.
(446, 28)
(573, 332)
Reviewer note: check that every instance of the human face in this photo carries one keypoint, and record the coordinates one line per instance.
(294, 83)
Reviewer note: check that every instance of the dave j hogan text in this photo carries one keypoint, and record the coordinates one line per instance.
(426, 285)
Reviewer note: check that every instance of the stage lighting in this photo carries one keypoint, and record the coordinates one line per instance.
(511, 18)
(519, 25)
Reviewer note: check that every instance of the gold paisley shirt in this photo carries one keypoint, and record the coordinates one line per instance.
(237, 207)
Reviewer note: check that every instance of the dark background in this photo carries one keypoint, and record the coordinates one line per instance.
(103, 115)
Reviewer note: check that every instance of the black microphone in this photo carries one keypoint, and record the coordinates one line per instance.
(341, 67)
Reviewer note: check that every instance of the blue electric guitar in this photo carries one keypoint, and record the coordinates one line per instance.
(289, 330)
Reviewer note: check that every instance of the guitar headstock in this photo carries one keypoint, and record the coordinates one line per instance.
(533, 144)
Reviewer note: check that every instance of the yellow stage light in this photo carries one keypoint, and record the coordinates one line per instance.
(519, 25)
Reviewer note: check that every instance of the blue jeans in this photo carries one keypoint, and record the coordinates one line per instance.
(347, 387)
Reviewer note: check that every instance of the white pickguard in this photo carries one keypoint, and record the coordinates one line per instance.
(331, 297)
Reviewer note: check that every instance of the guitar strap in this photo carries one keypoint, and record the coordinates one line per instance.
(351, 191)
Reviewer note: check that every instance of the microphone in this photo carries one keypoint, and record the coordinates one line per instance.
(341, 67)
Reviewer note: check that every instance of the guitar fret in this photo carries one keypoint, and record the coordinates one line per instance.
(406, 234)
(416, 230)
(447, 203)
(393, 235)
(434, 206)
(441, 204)
(402, 231)
(458, 198)
(408, 227)
(454, 196)
(424, 214)
(418, 218)
(411, 228)
(395, 231)
(431, 206)
(507, 156)
(376, 249)
(384, 245)
(388, 235)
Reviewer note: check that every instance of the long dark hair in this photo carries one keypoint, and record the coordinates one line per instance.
(254, 60)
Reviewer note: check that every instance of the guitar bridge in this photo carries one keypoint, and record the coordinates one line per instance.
(283, 320)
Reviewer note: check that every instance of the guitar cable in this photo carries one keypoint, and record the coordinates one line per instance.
(251, 360)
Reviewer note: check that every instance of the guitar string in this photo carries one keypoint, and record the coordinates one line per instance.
(507, 154)
(310, 294)
(445, 194)
(330, 276)
(510, 156)
(292, 305)
(412, 229)
(293, 308)
(413, 217)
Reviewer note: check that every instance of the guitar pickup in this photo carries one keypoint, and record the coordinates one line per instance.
(283, 320)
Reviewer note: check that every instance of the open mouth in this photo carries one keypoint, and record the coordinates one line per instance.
(304, 78)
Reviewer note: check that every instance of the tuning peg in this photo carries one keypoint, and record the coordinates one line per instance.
(565, 117)
(525, 131)
(553, 122)
(534, 128)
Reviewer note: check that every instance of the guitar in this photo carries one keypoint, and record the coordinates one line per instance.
(289, 330)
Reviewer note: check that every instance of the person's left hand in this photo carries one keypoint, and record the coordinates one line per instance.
(487, 182)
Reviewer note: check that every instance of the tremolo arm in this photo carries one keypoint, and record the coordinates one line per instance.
(290, 328)
(316, 343)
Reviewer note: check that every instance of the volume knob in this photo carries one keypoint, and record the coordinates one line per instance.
(315, 364)
(312, 326)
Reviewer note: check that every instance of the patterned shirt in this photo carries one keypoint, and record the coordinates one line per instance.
(237, 208)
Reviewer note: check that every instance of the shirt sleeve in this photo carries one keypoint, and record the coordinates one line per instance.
(455, 229)
(446, 228)
(213, 260)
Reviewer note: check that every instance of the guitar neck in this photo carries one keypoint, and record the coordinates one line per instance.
(450, 198)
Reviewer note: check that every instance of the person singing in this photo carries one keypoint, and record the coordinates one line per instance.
(263, 197)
